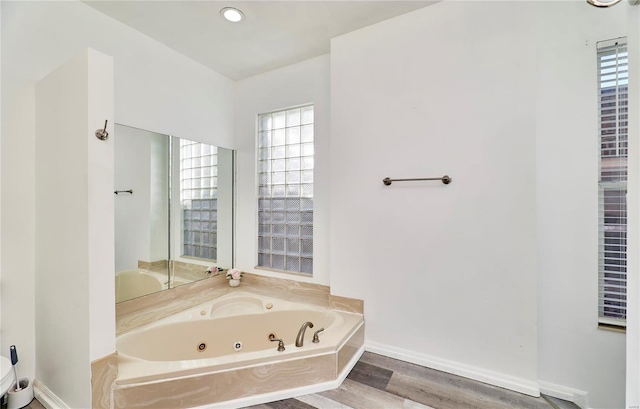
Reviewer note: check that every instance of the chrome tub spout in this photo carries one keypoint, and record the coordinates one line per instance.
(303, 328)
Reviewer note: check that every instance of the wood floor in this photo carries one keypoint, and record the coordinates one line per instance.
(378, 382)
(35, 405)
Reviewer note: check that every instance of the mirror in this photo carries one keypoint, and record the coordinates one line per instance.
(173, 211)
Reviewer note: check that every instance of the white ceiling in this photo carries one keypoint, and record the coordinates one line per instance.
(272, 35)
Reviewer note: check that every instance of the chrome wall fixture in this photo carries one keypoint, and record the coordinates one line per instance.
(610, 3)
(102, 134)
(446, 179)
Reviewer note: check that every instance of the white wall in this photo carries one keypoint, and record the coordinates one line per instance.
(633, 202)
(297, 84)
(448, 273)
(572, 351)
(18, 222)
(17, 264)
(75, 312)
(501, 96)
(100, 224)
(155, 88)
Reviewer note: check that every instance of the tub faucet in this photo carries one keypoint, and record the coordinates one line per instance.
(303, 328)
(316, 339)
(273, 338)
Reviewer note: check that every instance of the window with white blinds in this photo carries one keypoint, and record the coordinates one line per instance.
(613, 80)
(285, 190)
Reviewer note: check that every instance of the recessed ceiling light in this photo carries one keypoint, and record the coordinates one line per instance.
(232, 14)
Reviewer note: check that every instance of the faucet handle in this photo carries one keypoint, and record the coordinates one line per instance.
(316, 339)
(273, 338)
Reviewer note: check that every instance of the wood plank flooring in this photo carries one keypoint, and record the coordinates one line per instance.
(378, 382)
(35, 405)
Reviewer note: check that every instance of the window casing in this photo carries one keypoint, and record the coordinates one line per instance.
(285, 190)
(612, 221)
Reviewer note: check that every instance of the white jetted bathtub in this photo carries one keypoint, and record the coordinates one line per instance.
(228, 333)
(136, 283)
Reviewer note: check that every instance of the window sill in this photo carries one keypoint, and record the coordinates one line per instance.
(275, 270)
(197, 260)
(612, 328)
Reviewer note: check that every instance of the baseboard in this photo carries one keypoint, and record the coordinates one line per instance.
(562, 392)
(457, 368)
(289, 393)
(48, 399)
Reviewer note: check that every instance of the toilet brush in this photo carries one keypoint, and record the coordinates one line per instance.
(22, 395)
(14, 361)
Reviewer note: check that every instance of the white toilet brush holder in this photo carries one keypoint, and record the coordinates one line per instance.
(20, 398)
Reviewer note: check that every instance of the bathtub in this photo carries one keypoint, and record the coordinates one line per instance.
(136, 283)
(222, 338)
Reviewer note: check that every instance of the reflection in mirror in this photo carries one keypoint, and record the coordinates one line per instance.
(141, 212)
(173, 211)
(201, 209)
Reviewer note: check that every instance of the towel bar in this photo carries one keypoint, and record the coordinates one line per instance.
(446, 179)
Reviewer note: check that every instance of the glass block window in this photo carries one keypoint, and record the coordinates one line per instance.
(613, 84)
(198, 198)
(285, 190)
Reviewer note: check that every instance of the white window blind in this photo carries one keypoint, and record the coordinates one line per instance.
(285, 190)
(613, 80)
(199, 199)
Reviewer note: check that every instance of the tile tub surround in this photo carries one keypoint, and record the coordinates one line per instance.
(140, 311)
(189, 271)
(182, 271)
(349, 350)
(159, 266)
(346, 304)
(103, 375)
(258, 376)
(227, 389)
(225, 386)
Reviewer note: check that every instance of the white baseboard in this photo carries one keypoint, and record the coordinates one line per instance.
(457, 368)
(48, 399)
(289, 393)
(562, 392)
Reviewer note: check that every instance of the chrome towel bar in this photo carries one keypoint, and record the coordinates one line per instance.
(446, 179)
